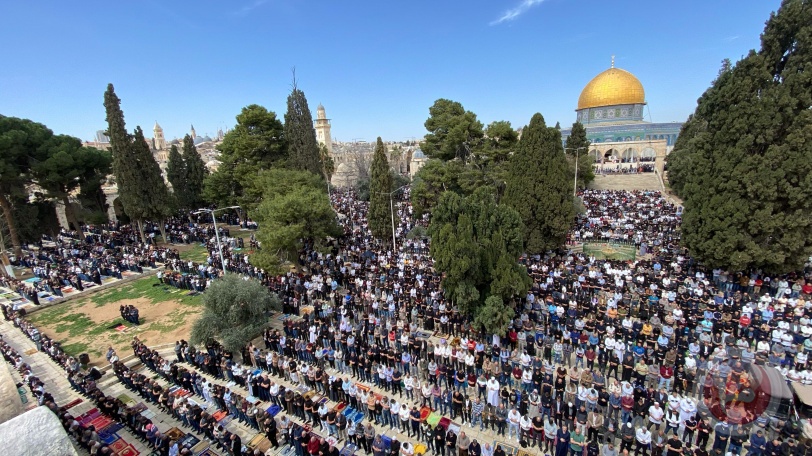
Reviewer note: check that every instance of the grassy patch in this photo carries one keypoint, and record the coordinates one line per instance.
(77, 348)
(142, 288)
(197, 253)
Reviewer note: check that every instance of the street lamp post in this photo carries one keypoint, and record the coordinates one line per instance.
(216, 231)
(575, 184)
(392, 211)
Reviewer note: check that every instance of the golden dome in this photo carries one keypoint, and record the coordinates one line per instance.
(610, 88)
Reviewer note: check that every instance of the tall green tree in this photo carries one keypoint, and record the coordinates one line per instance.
(476, 245)
(141, 188)
(149, 199)
(577, 142)
(195, 173)
(21, 142)
(539, 187)
(453, 132)
(295, 210)
(121, 144)
(434, 178)
(328, 166)
(380, 187)
(255, 144)
(65, 167)
(235, 311)
(176, 175)
(300, 134)
(743, 161)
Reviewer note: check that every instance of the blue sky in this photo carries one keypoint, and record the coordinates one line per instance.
(376, 66)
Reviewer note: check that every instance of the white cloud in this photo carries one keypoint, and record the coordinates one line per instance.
(730, 39)
(516, 11)
(249, 7)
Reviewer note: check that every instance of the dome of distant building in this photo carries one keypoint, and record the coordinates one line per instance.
(612, 87)
(612, 108)
(418, 154)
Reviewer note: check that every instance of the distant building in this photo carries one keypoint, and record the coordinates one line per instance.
(611, 109)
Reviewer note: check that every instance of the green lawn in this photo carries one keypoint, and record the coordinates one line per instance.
(197, 253)
(80, 330)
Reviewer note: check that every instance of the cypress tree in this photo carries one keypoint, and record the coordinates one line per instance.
(577, 143)
(380, 185)
(148, 198)
(195, 172)
(300, 134)
(176, 175)
(539, 187)
(743, 161)
(141, 187)
(124, 162)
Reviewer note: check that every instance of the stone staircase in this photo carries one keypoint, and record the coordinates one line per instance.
(641, 181)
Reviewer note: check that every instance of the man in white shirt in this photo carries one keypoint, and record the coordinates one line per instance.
(655, 416)
(643, 437)
(513, 423)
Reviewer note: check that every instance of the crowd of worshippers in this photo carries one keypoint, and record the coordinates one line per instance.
(82, 259)
(599, 351)
(79, 260)
(129, 313)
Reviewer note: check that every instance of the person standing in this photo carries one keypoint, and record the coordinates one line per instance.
(577, 440)
(562, 441)
(643, 437)
(463, 443)
(513, 423)
(501, 419)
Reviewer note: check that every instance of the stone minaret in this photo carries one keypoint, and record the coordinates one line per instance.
(322, 125)
(158, 138)
(192, 133)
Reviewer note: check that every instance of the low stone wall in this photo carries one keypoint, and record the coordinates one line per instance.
(10, 404)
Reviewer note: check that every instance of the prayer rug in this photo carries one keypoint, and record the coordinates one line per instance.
(129, 450)
(108, 439)
(175, 433)
(190, 441)
(509, 449)
(101, 422)
(73, 403)
(127, 400)
(348, 450)
(118, 445)
(224, 422)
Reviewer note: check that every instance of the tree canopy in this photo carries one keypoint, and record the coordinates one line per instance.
(255, 144)
(380, 185)
(452, 131)
(295, 210)
(743, 161)
(539, 187)
(195, 173)
(577, 142)
(67, 165)
(476, 245)
(301, 135)
(21, 144)
(234, 312)
(464, 158)
(176, 174)
(141, 187)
